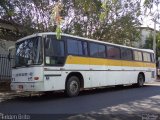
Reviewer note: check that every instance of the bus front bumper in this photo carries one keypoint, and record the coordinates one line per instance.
(27, 86)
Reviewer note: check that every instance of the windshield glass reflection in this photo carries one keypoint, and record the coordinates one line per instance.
(29, 52)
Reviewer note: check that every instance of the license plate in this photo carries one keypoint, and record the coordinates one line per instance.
(20, 87)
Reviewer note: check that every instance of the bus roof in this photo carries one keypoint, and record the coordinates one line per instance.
(87, 39)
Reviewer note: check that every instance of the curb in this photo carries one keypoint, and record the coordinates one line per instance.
(6, 95)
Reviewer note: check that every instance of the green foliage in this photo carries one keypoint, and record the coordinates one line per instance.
(111, 20)
(149, 44)
(105, 12)
(150, 3)
(31, 14)
(58, 32)
(152, 8)
(56, 18)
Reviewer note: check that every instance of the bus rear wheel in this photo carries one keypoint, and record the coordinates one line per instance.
(72, 86)
(140, 81)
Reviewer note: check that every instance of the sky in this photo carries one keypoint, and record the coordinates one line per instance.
(147, 20)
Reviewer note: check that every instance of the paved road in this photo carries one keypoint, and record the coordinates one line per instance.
(123, 101)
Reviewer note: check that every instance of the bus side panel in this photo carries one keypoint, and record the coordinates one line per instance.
(83, 70)
(98, 75)
(127, 77)
(129, 73)
(147, 76)
(87, 78)
(54, 79)
(113, 76)
(150, 75)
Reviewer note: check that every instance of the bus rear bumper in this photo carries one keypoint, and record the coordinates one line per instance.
(27, 86)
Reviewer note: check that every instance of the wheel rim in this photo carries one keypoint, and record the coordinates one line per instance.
(141, 80)
(73, 87)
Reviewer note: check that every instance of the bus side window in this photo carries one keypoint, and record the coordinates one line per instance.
(152, 57)
(101, 50)
(137, 55)
(93, 49)
(126, 54)
(113, 52)
(74, 47)
(85, 48)
(97, 50)
(146, 57)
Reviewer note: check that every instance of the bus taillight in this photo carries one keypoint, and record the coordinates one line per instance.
(36, 78)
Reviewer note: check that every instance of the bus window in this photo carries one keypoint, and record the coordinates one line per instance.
(137, 55)
(146, 57)
(97, 50)
(74, 47)
(93, 48)
(152, 57)
(126, 54)
(85, 48)
(113, 52)
(102, 49)
(54, 51)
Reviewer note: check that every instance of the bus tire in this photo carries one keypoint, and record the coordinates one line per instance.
(72, 86)
(140, 80)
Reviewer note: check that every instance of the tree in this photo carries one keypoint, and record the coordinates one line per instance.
(149, 44)
(149, 4)
(152, 9)
(32, 14)
(3, 44)
(119, 25)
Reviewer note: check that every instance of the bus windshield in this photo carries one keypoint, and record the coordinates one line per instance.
(54, 51)
(29, 52)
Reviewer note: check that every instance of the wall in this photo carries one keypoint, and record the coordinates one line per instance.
(8, 44)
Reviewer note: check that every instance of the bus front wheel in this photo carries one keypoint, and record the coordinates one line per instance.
(72, 86)
(140, 81)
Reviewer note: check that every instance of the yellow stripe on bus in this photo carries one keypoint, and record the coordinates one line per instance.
(107, 62)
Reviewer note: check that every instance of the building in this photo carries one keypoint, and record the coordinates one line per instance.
(145, 32)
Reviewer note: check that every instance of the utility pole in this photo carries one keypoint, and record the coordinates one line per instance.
(154, 33)
(154, 38)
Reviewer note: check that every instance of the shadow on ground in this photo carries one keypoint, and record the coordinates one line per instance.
(117, 103)
(38, 97)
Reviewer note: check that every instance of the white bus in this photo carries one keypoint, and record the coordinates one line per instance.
(43, 63)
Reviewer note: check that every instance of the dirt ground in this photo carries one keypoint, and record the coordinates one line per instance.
(4, 86)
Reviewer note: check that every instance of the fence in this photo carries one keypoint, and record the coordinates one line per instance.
(5, 67)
